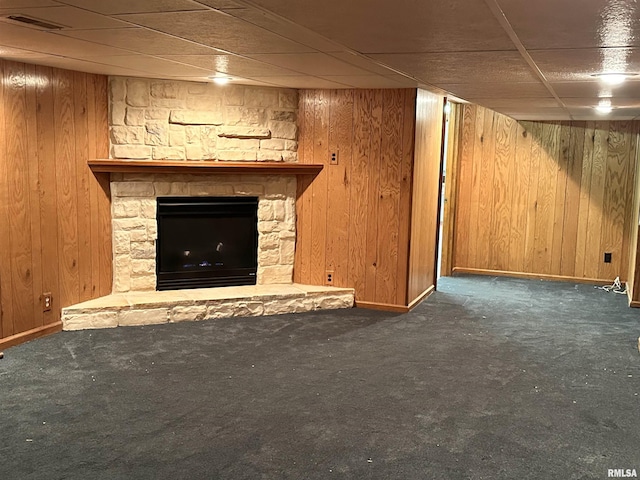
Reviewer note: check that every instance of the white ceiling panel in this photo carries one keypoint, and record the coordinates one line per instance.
(311, 63)
(497, 90)
(381, 26)
(141, 40)
(231, 65)
(302, 81)
(287, 29)
(221, 4)
(114, 7)
(27, 3)
(596, 89)
(218, 30)
(552, 24)
(369, 81)
(581, 64)
(154, 65)
(66, 16)
(461, 67)
(50, 43)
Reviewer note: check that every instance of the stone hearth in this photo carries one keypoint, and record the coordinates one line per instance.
(152, 308)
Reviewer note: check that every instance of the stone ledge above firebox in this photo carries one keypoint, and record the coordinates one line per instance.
(152, 308)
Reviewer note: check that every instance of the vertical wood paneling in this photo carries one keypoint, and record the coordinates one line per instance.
(319, 188)
(34, 195)
(585, 198)
(464, 186)
(101, 142)
(302, 265)
(570, 201)
(426, 192)
(338, 198)
(356, 276)
(54, 214)
(48, 188)
(520, 178)
(6, 284)
(17, 158)
(406, 194)
(364, 202)
(373, 192)
(389, 194)
(450, 187)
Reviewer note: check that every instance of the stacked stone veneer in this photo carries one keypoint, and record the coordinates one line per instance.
(173, 120)
(134, 224)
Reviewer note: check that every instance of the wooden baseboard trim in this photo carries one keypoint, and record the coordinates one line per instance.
(535, 276)
(387, 307)
(23, 337)
(634, 303)
(418, 300)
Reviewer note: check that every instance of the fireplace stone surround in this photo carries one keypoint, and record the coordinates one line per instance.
(135, 301)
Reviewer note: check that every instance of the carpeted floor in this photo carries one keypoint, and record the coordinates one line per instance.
(488, 379)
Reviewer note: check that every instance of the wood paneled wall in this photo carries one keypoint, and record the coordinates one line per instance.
(55, 232)
(355, 218)
(544, 198)
(426, 194)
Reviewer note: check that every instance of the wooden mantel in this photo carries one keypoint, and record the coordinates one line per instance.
(202, 167)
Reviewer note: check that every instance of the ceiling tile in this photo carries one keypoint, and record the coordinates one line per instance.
(141, 40)
(588, 113)
(580, 64)
(546, 24)
(287, 29)
(231, 64)
(46, 42)
(153, 65)
(497, 90)
(218, 30)
(114, 7)
(381, 26)
(516, 103)
(591, 101)
(595, 89)
(461, 67)
(27, 3)
(66, 16)
(311, 63)
(366, 81)
(220, 4)
(87, 66)
(546, 113)
(302, 81)
(363, 62)
(18, 53)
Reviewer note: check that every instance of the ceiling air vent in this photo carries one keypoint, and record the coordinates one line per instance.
(34, 22)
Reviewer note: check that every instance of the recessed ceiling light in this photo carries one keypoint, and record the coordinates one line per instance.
(613, 78)
(604, 107)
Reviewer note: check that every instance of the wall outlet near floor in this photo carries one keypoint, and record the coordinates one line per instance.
(607, 257)
(47, 301)
(333, 158)
(329, 279)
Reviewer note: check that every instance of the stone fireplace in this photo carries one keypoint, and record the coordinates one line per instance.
(134, 224)
(161, 120)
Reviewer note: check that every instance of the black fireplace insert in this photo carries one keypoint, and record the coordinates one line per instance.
(206, 242)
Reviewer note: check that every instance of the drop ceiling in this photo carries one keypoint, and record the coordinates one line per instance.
(530, 59)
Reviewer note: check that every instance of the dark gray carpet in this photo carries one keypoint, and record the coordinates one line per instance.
(488, 379)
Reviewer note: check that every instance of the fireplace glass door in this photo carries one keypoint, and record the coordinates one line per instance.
(206, 242)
